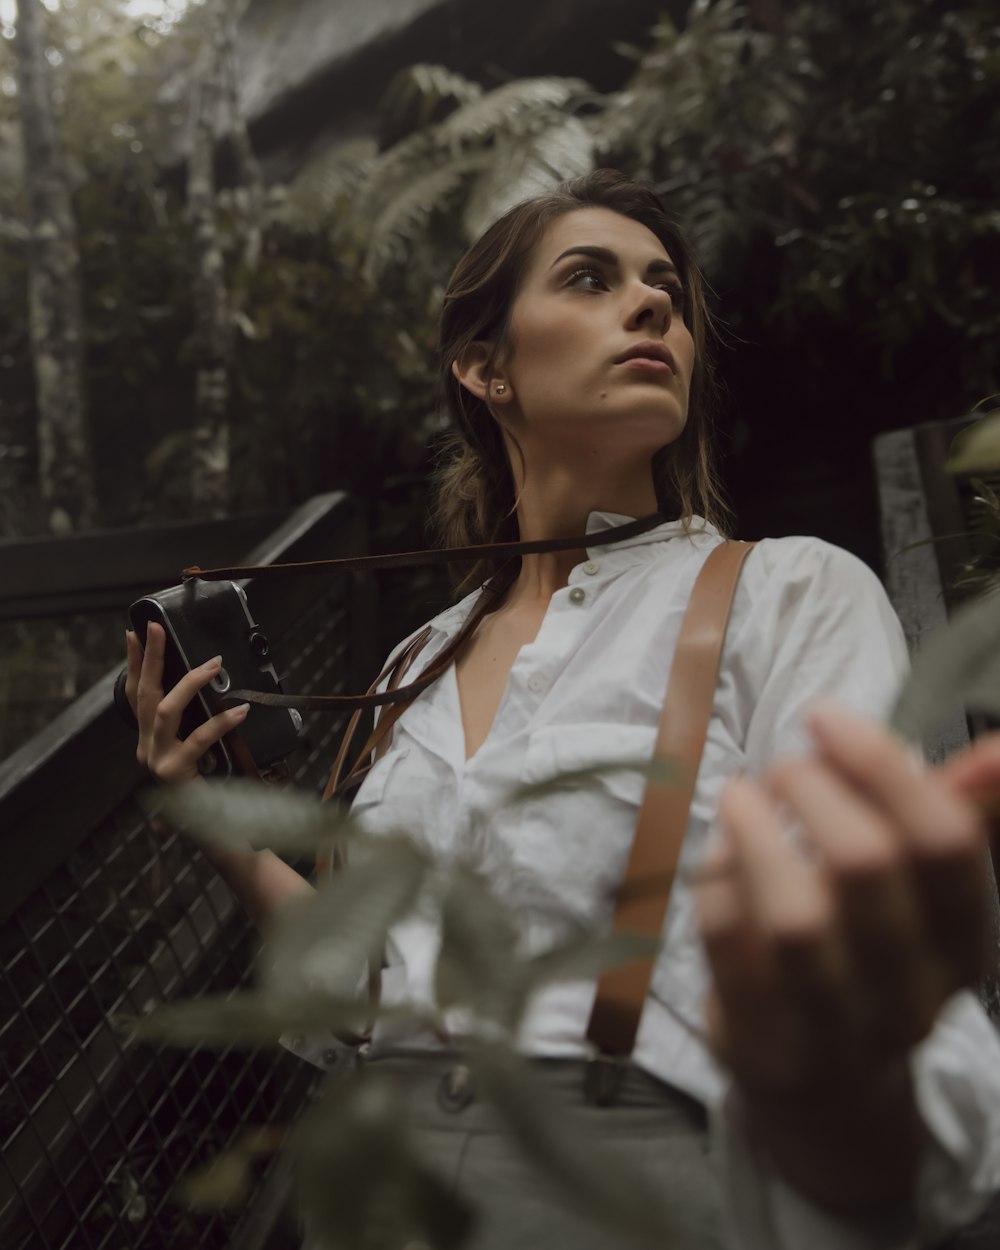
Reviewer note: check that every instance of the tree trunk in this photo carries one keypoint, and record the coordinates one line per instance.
(65, 464)
(216, 104)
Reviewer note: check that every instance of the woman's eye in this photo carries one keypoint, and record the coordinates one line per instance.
(585, 273)
(676, 292)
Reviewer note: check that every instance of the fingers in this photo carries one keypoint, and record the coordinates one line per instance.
(179, 761)
(936, 838)
(935, 819)
(134, 655)
(771, 939)
(159, 748)
(170, 709)
(839, 950)
(895, 995)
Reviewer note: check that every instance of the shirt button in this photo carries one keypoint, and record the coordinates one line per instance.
(576, 595)
(536, 682)
(591, 567)
(456, 1090)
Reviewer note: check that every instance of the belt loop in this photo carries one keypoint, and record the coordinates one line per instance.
(602, 1079)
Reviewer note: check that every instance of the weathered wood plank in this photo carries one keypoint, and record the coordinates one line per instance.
(105, 570)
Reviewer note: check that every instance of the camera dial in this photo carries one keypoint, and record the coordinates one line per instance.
(259, 644)
(220, 683)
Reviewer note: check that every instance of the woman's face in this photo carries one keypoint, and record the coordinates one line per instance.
(598, 286)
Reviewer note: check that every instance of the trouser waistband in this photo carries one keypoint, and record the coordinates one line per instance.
(602, 1081)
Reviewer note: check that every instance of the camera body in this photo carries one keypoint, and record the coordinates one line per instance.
(204, 619)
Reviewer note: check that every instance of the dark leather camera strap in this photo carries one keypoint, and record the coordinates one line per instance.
(438, 555)
(493, 592)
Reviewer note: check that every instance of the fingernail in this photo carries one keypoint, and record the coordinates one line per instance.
(214, 662)
(239, 713)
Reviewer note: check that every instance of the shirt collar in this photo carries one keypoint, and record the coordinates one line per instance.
(598, 521)
(451, 619)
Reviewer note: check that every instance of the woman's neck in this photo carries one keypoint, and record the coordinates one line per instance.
(542, 574)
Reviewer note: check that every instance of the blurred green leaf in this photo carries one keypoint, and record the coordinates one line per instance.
(977, 449)
(657, 771)
(223, 1184)
(957, 666)
(477, 966)
(575, 1163)
(587, 957)
(324, 940)
(242, 813)
(360, 1182)
(249, 1019)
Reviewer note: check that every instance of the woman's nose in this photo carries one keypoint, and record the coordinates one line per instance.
(654, 308)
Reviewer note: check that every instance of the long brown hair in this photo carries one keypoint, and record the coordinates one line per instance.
(474, 495)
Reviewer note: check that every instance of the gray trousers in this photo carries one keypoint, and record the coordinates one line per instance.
(654, 1129)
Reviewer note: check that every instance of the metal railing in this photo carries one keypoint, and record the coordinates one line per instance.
(104, 911)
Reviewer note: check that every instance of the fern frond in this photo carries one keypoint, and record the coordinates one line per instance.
(511, 108)
(394, 170)
(394, 230)
(425, 86)
(329, 180)
(520, 168)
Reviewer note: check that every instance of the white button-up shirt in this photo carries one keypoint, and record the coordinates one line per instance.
(809, 619)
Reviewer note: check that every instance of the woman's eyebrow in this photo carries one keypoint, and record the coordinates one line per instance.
(610, 258)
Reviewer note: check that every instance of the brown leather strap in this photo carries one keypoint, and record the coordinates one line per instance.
(642, 901)
(483, 606)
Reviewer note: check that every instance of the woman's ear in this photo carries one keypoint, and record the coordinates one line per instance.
(471, 370)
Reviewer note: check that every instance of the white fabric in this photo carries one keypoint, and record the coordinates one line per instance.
(809, 619)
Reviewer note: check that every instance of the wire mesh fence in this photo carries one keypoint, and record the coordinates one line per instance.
(95, 1133)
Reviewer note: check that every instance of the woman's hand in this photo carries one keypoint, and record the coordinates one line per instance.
(829, 966)
(168, 757)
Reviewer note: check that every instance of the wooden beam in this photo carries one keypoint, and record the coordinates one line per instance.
(105, 570)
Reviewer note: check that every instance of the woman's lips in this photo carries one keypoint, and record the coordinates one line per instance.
(646, 362)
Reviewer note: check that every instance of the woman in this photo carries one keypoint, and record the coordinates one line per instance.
(811, 1007)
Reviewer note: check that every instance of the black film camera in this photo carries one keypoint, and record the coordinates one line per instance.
(200, 620)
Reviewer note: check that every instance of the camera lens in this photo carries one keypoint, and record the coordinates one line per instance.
(259, 644)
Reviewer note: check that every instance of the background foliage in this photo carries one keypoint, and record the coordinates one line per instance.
(838, 167)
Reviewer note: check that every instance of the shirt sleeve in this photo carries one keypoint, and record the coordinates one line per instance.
(819, 623)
